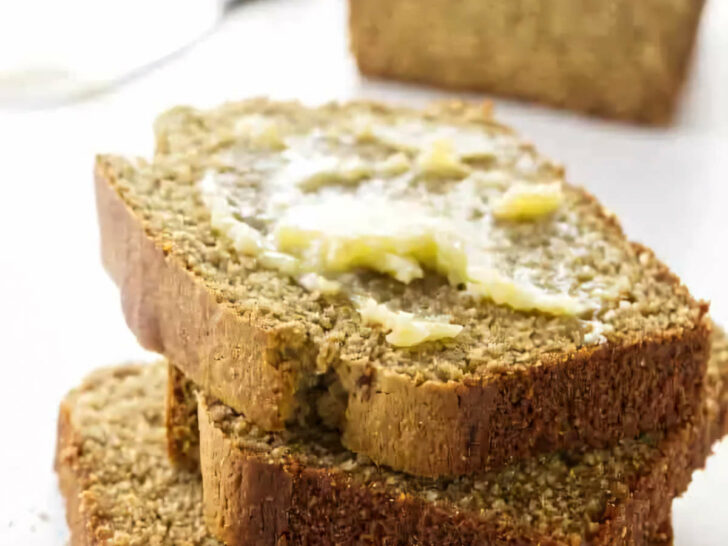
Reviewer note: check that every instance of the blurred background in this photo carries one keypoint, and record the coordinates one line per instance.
(80, 77)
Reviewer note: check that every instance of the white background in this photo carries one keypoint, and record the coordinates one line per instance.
(60, 316)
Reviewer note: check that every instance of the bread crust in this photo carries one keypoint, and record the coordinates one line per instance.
(112, 467)
(250, 500)
(431, 429)
(172, 313)
(180, 417)
(326, 502)
(537, 52)
(593, 399)
(69, 479)
(88, 484)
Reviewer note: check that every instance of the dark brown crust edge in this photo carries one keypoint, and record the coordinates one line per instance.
(248, 500)
(234, 359)
(166, 308)
(70, 476)
(660, 111)
(591, 400)
(183, 433)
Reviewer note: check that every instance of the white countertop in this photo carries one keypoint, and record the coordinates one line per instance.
(61, 315)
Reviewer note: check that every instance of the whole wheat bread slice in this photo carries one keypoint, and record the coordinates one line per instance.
(301, 487)
(113, 471)
(113, 468)
(510, 385)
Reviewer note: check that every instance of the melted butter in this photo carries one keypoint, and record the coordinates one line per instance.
(395, 164)
(405, 329)
(324, 213)
(520, 295)
(413, 136)
(528, 201)
(260, 131)
(313, 173)
(318, 283)
(344, 232)
(439, 160)
(245, 239)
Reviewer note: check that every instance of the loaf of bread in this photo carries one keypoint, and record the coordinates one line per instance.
(423, 281)
(624, 59)
(300, 484)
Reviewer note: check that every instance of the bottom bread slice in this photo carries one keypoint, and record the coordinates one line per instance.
(113, 469)
(302, 487)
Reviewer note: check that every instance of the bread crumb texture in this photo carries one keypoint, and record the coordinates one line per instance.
(119, 485)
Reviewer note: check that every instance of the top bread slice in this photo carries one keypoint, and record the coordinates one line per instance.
(511, 384)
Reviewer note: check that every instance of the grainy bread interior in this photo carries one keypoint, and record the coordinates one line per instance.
(113, 469)
(598, 497)
(112, 466)
(621, 58)
(262, 343)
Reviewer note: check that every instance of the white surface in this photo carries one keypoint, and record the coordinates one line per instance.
(42, 61)
(61, 316)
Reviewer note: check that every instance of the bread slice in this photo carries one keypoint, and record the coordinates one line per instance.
(113, 471)
(183, 432)
(511, 384)
(301, 486)
(548, 52)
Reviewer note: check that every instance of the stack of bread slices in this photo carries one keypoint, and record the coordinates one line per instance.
(381, 326)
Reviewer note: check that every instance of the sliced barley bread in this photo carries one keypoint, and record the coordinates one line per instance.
(624, 354)
(621, 59)
(301, 487)
(183, 436)
(114, 473)
(112, 465)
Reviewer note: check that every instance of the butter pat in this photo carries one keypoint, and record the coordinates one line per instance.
(317, 283)
(406, 329)
(395, 164)
(528, 201)
(519, 295)
(439, 160)
(260, 132)
(393, 237)
(414, 136)
(245, 238)
(313, 173)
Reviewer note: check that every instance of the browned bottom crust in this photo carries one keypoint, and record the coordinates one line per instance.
(632, 69)
(254, 497)
(592, 400)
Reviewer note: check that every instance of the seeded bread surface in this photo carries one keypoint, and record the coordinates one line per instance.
(112, 465)
(258, 341)
(296, 485)
(623, 59)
